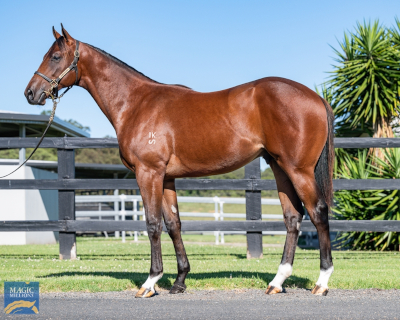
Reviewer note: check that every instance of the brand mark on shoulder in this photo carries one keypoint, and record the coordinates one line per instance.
(152, 137)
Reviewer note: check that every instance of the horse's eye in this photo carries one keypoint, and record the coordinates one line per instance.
(55, 58)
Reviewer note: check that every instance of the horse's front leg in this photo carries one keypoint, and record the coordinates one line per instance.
(151, 188)
(173, 224)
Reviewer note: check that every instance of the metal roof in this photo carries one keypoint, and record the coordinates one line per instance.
(35, 125)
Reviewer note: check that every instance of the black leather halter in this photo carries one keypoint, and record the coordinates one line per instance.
(53, 91)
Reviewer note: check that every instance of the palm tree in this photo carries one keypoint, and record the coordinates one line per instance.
(365, 84)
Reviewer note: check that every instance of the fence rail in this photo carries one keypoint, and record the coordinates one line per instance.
(66, 184)
(85, 143)
(193, 225)
(187, 184)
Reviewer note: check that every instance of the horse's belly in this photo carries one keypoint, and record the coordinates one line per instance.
(190, 165)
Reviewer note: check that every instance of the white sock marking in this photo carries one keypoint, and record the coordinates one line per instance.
(173, 209)
(324, 276)
(284, 272)
(150, 282)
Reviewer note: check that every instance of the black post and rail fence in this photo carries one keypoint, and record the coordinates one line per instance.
(66, 184)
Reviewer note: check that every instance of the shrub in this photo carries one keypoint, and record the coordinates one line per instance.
(369, 204)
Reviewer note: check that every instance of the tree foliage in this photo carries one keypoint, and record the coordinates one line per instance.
(107, 155)
(40, 154)
(365, 83)
(369, 204)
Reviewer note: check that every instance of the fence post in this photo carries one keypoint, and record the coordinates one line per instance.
(253, 210)
(66, 203)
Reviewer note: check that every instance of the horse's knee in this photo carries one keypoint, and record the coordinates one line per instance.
(292, 221)
(154, 227)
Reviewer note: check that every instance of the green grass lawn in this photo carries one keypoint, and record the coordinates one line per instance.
(109, 265)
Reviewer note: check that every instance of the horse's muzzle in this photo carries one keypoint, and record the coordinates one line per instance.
(30, 96)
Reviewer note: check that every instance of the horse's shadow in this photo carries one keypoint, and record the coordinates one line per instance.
(165, 282)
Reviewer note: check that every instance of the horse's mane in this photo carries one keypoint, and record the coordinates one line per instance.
(125, 65)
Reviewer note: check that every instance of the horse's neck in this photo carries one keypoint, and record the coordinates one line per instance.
(110, 83)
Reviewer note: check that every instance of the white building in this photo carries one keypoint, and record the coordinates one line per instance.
(28, 205)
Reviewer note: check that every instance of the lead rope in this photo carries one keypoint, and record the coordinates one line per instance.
(55, 102)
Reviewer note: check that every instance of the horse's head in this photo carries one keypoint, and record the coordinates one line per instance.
(59, 57)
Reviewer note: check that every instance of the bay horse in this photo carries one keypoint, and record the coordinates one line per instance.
(170, 131)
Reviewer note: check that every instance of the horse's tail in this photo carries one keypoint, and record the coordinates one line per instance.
(324, 168)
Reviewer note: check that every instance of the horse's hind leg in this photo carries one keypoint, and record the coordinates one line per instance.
(293, 215)
(173, 224)
(306, 187)
(151, 189)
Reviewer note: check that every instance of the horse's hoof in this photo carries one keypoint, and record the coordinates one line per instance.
(177, 288)
(145, 293)
(272, 290)
(319, 291)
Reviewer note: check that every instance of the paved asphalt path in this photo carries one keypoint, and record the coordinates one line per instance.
(233, 304)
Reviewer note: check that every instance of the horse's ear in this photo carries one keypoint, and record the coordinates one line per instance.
(56, 34)
(66, 35)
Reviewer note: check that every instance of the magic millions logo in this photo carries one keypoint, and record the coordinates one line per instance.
(21, 297)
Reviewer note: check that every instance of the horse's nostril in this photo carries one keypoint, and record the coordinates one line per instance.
(30, 94)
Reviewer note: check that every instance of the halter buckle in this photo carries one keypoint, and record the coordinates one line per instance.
(76, 54)
(53, 84)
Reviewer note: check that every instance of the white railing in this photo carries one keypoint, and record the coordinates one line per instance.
(218, 214)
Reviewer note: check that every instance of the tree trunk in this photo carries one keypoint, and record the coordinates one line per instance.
(382, 129)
